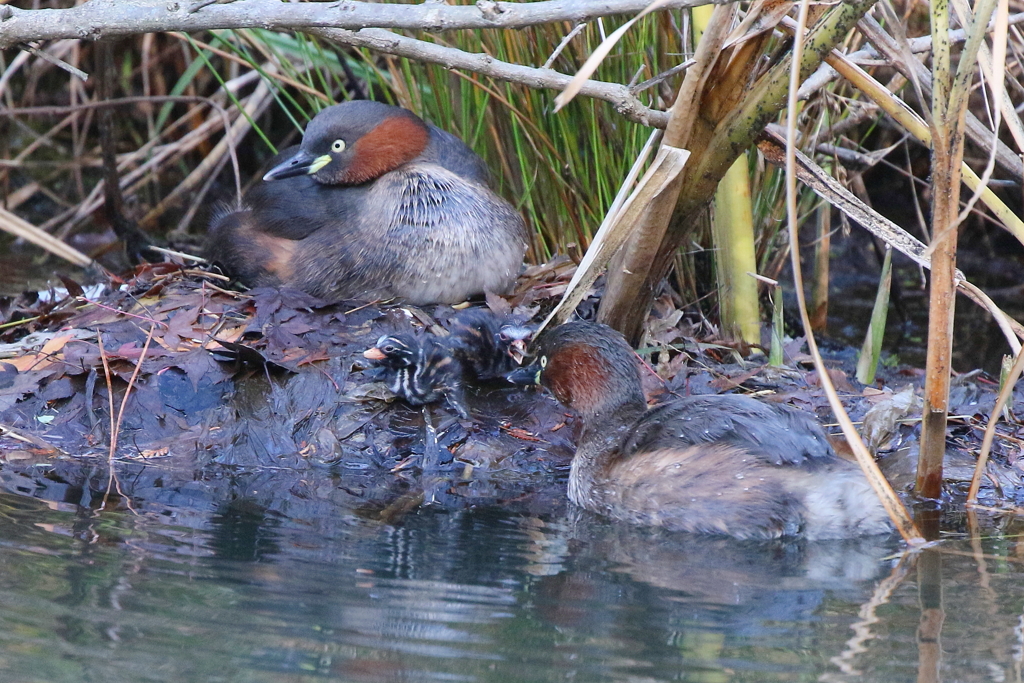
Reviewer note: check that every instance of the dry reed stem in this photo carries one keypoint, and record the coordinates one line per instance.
(15, 225)
(990, 428)
(113, 421)
(904, 524)
(950, 92)
(916, 126)
(160, 155)
(817, 179)
(255, 105)
(26, 437)
(993, 67)
(733, 113)
(1012, 330)
(630, 267)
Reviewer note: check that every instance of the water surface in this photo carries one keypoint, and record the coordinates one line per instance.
(238, 593)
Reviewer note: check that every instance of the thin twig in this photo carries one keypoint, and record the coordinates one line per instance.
(115, 425)
(990, 428)
(669, 73)
(562, 45)
(120, 312)
(27, 437)
(59, 63)
(110, 410)
(391, 43)
(180, 254)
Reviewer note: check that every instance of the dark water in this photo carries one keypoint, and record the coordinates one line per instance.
(237, 594)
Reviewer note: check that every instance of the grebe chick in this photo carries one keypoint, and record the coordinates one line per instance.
(420, 370)
(489, 345)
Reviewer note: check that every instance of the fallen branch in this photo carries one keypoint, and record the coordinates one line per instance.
(388, 42)
(111, 18)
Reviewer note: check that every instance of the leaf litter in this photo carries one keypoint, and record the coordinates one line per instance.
(265, 395)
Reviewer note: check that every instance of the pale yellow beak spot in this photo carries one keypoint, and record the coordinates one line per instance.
(319, 163)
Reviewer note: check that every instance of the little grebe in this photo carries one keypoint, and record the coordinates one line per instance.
(420, 369)
(709, 464)
(375, 203)
(488, 345)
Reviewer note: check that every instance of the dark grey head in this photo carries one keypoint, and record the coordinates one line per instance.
(354, 142)
(587, 366)
(513, 338)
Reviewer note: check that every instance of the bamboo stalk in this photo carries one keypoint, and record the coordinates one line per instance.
(732, 228)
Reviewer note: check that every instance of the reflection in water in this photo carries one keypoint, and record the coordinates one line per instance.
(242, 594)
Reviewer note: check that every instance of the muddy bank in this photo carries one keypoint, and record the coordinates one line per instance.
(264, 398)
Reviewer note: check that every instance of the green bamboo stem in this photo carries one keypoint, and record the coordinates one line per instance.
(732, 229)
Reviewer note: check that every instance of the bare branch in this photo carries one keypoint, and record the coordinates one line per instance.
(108, 18)
(391, 43)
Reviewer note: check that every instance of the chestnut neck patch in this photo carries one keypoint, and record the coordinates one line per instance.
(394, 141)
(581, 378)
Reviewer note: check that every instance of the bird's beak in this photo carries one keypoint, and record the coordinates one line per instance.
(374, 354)
(301, 163)
(525, 376)
(517, 349)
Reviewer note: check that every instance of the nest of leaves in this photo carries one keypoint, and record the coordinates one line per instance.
(167, 384)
